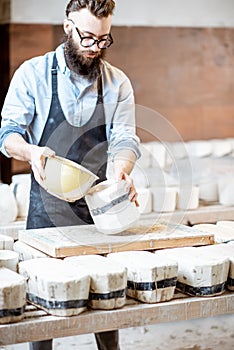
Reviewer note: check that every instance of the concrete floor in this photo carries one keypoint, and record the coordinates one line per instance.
(215, 333)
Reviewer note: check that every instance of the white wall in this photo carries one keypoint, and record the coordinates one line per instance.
(181, 13)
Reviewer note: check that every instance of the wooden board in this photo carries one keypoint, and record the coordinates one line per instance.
(37, 325)
(78, 240)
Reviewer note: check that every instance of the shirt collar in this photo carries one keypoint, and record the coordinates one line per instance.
(61, 59)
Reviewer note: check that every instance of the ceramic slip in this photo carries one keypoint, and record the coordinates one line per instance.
(110, 207)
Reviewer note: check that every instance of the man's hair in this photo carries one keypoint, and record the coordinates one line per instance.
(99, 8)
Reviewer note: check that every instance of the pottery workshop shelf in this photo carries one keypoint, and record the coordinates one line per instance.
(38, 325)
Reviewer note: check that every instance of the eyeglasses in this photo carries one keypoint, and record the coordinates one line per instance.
(88, 41)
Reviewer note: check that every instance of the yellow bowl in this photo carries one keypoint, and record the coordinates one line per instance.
(66, 179)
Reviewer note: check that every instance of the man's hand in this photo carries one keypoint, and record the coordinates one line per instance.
(124, 162)
(132, 190)
(38, 156)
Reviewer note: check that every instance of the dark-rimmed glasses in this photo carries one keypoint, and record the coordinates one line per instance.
(88, 41)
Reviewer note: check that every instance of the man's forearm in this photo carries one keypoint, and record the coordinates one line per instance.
(124, 162)
(17, 147)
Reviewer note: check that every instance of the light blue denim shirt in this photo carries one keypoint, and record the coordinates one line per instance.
(28, 100)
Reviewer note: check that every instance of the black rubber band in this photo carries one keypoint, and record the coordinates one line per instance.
(200, 291)
(230, 282)
(149, 286)
(12, 312)
(107, 296)
(57, 304)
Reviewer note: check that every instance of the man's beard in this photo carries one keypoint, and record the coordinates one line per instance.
(78, 63)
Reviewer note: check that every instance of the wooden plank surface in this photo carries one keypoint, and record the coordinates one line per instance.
(85, 239)
(37, 325)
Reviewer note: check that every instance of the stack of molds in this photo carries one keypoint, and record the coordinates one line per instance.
(54, 288)
(27, 252)
(227, 250)
(150, 279)
(9, 259)
(221, 233)
(108, 280)
(12, 296)
(6, 242)
(200, 274)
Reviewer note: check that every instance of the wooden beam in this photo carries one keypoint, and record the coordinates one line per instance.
(37, 325)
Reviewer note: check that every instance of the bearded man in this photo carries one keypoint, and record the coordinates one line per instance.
(74, 104)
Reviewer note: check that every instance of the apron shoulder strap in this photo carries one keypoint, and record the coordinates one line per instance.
(100, 89)
(54, 75)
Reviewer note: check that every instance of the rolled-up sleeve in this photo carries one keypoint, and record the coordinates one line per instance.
(122, 127)
(19, 107)
(5, 132)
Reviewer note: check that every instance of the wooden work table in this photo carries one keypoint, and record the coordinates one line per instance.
(37, 325)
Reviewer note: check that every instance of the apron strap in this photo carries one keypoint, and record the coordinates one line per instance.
(55, 85)
(54, 76)
(100, 90)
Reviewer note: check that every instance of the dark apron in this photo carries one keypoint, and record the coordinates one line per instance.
(86, 145)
